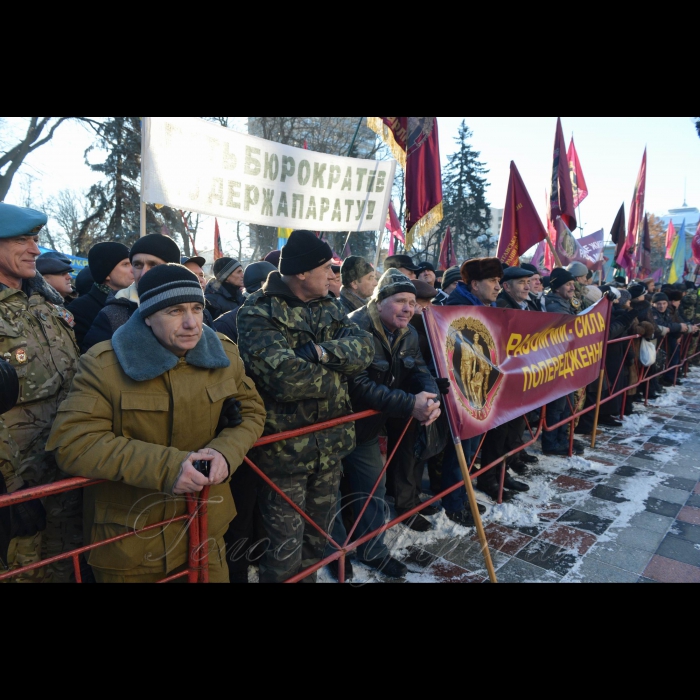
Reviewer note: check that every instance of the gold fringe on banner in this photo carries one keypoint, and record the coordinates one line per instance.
(384, 132)
(425, 225)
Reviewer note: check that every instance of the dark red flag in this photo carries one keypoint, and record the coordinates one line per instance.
(696, 247)
(627, 258)
(448, 255)
(522, 228)
(414, 142)
(645, 250)
(562, 199)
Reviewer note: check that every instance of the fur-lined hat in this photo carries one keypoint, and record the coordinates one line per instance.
(482, 269)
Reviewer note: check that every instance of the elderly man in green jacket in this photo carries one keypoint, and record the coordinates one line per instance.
(143, 409)
(300, 348)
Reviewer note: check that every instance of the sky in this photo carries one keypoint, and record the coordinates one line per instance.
(610, 149)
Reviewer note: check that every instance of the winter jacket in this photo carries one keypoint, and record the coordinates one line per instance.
(85, 310)
(228, 325)
(441, 298)
(119, 308)
(390, 384)
(506, 301)
(558, 305)
(221, 299)
(463, 297)
(272, 325)
(667, 320)
(350, 301)
(537, 303)
(134, 415)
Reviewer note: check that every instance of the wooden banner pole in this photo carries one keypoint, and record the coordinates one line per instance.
(557, 259)
(475, 512)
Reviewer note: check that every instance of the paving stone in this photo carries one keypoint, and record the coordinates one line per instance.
(637, 538)
(631, 472)
(505, 540)
(444, 572)
(645, 464)
(603, 509)
(548, 556)
(646, 580)
(674, 482)
(664, 441)
(653, 522)
(663, 493)
(694, 502)
(621, 557)
(668, 510)
(517, 571)
(607, 493)
(585, 521)
(567, 484)
(596, 571)
(419, 558)
(680, 550)
(568, 538)
(690, 515)
(665, 570)
(686, 531)
(684, 471)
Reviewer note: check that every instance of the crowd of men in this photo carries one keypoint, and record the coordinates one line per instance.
(157, 382)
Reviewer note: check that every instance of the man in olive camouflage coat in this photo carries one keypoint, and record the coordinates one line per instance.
(300, 349)
(37, 340)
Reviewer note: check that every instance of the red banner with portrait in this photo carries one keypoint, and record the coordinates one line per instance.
(503, 363)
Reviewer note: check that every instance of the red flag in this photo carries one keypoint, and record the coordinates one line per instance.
(562, 199)
(522, 228)
(448, 255)
(538, 259)
(549, 261)
(670, 235)
(635, 229)
(645, 250)
(218, 248)
(578, 181)
(696, 247)
(394, 226)
(414, 142)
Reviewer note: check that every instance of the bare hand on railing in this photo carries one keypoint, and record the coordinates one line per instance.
(426, 410)
(191, 481)
(665, 331)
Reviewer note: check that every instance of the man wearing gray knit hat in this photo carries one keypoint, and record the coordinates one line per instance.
(225, 292)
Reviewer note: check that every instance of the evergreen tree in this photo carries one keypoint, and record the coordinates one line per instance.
(464, 193)
(115, 202)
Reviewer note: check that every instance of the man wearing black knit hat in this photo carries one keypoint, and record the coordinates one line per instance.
(225, 292)
(147, 253)
(158, 399)
(300, 350)
(111, 272)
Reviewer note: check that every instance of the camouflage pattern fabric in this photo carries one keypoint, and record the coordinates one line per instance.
(272, 325)
(35, 337)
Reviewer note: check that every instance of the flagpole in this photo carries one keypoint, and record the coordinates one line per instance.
(143, 151)
(380, 240)
(557, 259)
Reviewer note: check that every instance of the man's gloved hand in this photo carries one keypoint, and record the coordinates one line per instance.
(28, 519)
(343, 333)
(9, 387)
(230, 416)
(443, 386)
(308, 353)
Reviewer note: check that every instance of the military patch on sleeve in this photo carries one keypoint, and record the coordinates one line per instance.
(65, 316)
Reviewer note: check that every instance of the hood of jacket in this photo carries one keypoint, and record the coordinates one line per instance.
(143, 358)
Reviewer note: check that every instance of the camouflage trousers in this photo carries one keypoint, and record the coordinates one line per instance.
(294, 545)
(24, 432)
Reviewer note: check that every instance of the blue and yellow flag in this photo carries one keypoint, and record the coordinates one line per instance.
(283, 235)
(679, 258)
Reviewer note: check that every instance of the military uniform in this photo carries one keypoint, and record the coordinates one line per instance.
(274, 326)
(36, 338)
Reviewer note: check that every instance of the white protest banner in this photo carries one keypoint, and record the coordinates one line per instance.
(196, 166)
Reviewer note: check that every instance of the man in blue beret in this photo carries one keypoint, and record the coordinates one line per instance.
(36, 339)
(56, 269)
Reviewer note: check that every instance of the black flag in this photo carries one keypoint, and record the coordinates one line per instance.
(619, 233)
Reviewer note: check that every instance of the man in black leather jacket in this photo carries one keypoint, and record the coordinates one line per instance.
(398, 385)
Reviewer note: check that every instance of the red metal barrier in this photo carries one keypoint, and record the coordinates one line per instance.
(197, 511)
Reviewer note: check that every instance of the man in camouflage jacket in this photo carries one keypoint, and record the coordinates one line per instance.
(37, 340)
(300, 349)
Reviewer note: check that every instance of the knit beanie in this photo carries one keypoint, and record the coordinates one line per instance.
(256, 275)
(304, 252)
(274, 258)
(530, 268)
(225, 267)
(559, 278)
(354, 269)
(659, 298)
(168, 285)
(104, 257)
(454, 274)
(158, 246)
(625, 297)
(393, 282)
(638, 290)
